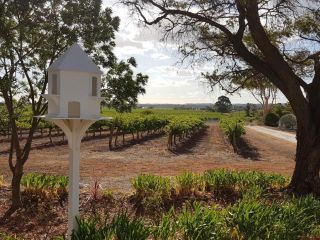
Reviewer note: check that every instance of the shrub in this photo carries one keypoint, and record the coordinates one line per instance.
(108, 194)
(271, 119)
(250, 184)
(120, 228)
(147, 184)
(187, 183)
(126, 229)
(166, 228)
(249, 179)
(291, 220)
(152, 192)
(44, 184)
(288, 121)
(233, 128)
(202, 223)
(219, 179)
(92, 228)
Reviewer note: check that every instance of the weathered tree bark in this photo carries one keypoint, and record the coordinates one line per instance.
(15, 185)
(306, 177)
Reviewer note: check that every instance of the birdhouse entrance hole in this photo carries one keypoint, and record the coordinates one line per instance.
(74, 109)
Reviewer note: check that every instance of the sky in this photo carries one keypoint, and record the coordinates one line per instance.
(169, 81)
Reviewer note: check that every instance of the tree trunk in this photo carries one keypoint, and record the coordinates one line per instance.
(266, 107)
(306, 177)
(50, 136)
(110, 138)
(15, 185)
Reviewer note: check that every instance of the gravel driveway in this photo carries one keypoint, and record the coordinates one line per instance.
(290, 137)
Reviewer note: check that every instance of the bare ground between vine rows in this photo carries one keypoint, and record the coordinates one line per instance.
(114, 169)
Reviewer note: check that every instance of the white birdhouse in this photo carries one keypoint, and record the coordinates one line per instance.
(74, 83)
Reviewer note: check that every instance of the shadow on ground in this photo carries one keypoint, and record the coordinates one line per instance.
(127, 144)
(187, 146)
(247, 150)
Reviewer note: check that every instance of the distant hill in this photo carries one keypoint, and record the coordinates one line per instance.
(194, 106)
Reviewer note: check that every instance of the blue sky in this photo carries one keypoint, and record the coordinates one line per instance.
(169, 82)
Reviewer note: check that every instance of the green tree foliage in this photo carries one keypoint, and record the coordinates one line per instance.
(271, 119)
(288, 121)
(32, 35)
(122, 87)
(282, 109)
(223, 104)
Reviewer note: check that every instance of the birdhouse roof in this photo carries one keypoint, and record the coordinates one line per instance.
(75, 59)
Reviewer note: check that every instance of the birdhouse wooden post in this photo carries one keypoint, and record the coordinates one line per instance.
(74, 83)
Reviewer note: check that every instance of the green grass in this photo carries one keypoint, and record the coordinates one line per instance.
(147, 184)
(261, 210)
(187, 183)
(121, 227)
(38, 183)
(289, 220)
(4, 236)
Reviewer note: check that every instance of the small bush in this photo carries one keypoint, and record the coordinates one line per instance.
(120, 228)
(146, 185)
(166, 228)
(92, 228)
(44, 185)
(107, 194)
(187, 183)
(288, 121)
(249, 179)
(202, 223)
(271, 119)
(126, 229)
(219, 179)
(152, 192)
(255, 220)
(234, 129)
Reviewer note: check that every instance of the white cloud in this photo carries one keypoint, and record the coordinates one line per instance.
(159, 56)
(168, 83)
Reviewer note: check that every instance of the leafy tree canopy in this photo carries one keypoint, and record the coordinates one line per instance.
(122, 87)
(223, 104)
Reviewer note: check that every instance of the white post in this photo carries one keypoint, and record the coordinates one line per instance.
(74, 130)
(74, 175)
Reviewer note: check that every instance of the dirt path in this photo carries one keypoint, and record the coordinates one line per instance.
(290, 137)
(208, 150)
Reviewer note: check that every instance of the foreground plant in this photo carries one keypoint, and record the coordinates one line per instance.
(46, 185)
(187, 183)
(198, 222)
(121, 227)
(289, 220)
(152, 192)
